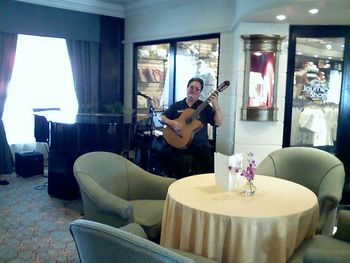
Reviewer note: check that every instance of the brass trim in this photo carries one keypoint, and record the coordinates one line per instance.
(259, 114)
(262, 42)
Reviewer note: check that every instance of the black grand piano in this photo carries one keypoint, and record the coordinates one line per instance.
(68, 138)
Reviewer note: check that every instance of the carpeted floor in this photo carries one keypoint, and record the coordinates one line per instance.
(34, 227)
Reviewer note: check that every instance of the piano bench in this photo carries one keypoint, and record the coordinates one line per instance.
(29, 163)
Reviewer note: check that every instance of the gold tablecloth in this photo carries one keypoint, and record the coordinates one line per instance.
(201, 218)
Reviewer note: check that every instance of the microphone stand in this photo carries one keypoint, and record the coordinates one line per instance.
(150, 163)
(151, 110)
(152, 114)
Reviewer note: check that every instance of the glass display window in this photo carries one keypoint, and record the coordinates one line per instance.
(163, 70)
(316, 92)
(152, 69)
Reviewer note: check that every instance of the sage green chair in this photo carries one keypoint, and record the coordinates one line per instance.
(117, 192)
(326, 249)
(318, 170)
(101, 243)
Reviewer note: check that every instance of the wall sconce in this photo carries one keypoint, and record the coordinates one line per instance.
(260, 77)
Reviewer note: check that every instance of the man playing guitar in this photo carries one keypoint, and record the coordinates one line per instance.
(198, 145)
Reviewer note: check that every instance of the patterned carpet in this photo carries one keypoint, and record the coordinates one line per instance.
(34, 227)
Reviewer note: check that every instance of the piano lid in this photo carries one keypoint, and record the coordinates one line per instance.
(86, 118)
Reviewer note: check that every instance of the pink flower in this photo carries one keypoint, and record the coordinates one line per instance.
(250, 170)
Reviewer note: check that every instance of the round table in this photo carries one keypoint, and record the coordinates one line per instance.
(202, 218)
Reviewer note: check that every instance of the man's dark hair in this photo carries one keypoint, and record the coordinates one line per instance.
(198, 80)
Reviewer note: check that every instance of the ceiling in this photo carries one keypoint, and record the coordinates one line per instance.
(331, 12)
(334, 12)
(115, 8)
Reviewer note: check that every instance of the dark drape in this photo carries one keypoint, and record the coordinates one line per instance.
(84, 58)
(8, 43)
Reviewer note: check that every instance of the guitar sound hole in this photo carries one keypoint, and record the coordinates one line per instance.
(188, 121)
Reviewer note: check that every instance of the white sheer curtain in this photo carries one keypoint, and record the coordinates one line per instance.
(41, 78)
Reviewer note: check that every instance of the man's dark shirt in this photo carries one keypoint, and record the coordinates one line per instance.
(206, 116)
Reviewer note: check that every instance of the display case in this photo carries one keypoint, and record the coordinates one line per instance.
(260, 77)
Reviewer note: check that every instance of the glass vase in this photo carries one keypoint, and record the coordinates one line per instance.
(248, 188)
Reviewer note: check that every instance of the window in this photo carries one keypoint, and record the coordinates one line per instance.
(152, 74)
(41, 78)
(163, 69)
(196, 58)
(316, 92)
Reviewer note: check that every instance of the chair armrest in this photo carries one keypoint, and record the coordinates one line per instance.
(329, 195)
(343, 226)
(157, 186)
(332, 184)
(145, 185)
(327, 204)
(104, 200)
(315, 255)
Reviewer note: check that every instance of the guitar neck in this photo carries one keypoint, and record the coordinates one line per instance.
(201, 107)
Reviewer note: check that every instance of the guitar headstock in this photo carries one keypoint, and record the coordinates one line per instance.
(223, 85)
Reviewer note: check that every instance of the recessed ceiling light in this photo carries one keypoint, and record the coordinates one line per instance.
(299, 53)
(329, 57)
(281, 17)
(329, 46)
(313, 11)
(316, 56)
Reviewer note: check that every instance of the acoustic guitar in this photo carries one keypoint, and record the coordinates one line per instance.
(191, 124)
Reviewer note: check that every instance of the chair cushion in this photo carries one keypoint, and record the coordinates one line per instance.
(135, 229)
(317, 255)
(320, 242)
(326, 242)
(149, 213)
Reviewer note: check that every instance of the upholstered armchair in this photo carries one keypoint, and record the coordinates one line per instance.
(320, 171)
(101, 243)
(325, 249)
(117, 192)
